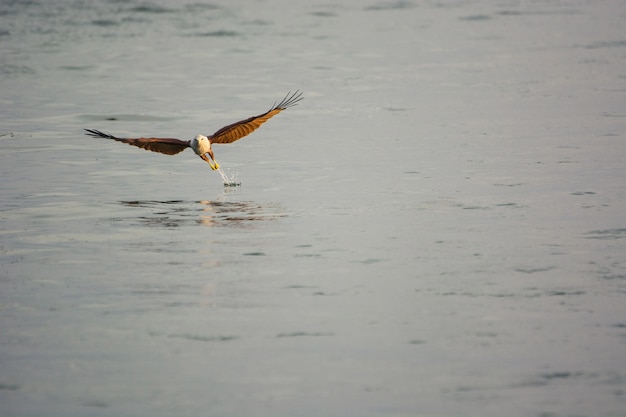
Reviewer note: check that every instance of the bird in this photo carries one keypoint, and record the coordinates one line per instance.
(201, 144)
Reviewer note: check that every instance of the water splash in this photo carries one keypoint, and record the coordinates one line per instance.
(229, 182)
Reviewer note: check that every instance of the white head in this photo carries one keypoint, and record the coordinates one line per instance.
(201, 145)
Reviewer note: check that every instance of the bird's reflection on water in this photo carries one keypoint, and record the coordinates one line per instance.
(176, 213)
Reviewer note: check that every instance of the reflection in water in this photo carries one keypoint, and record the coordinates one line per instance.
(175, 213)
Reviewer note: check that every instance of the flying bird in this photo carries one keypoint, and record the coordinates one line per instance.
(201, 144)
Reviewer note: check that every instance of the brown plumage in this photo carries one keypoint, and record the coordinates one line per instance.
(202, 144)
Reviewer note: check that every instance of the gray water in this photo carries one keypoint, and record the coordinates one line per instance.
(437, 229)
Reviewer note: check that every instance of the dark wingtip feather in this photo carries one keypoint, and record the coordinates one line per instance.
(98, 134)
(289, 100)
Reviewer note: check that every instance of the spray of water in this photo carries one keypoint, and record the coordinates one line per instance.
(229, 182)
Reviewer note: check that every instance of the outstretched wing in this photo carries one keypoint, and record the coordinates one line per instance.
(167, 146)
(236, 131)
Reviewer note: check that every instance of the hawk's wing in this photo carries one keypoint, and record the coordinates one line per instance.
(167, 146)
(242, 128)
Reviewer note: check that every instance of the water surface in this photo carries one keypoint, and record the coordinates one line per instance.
(437, 229)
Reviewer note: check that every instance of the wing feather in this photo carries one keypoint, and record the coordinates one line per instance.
(242, 128)
(167, 146)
